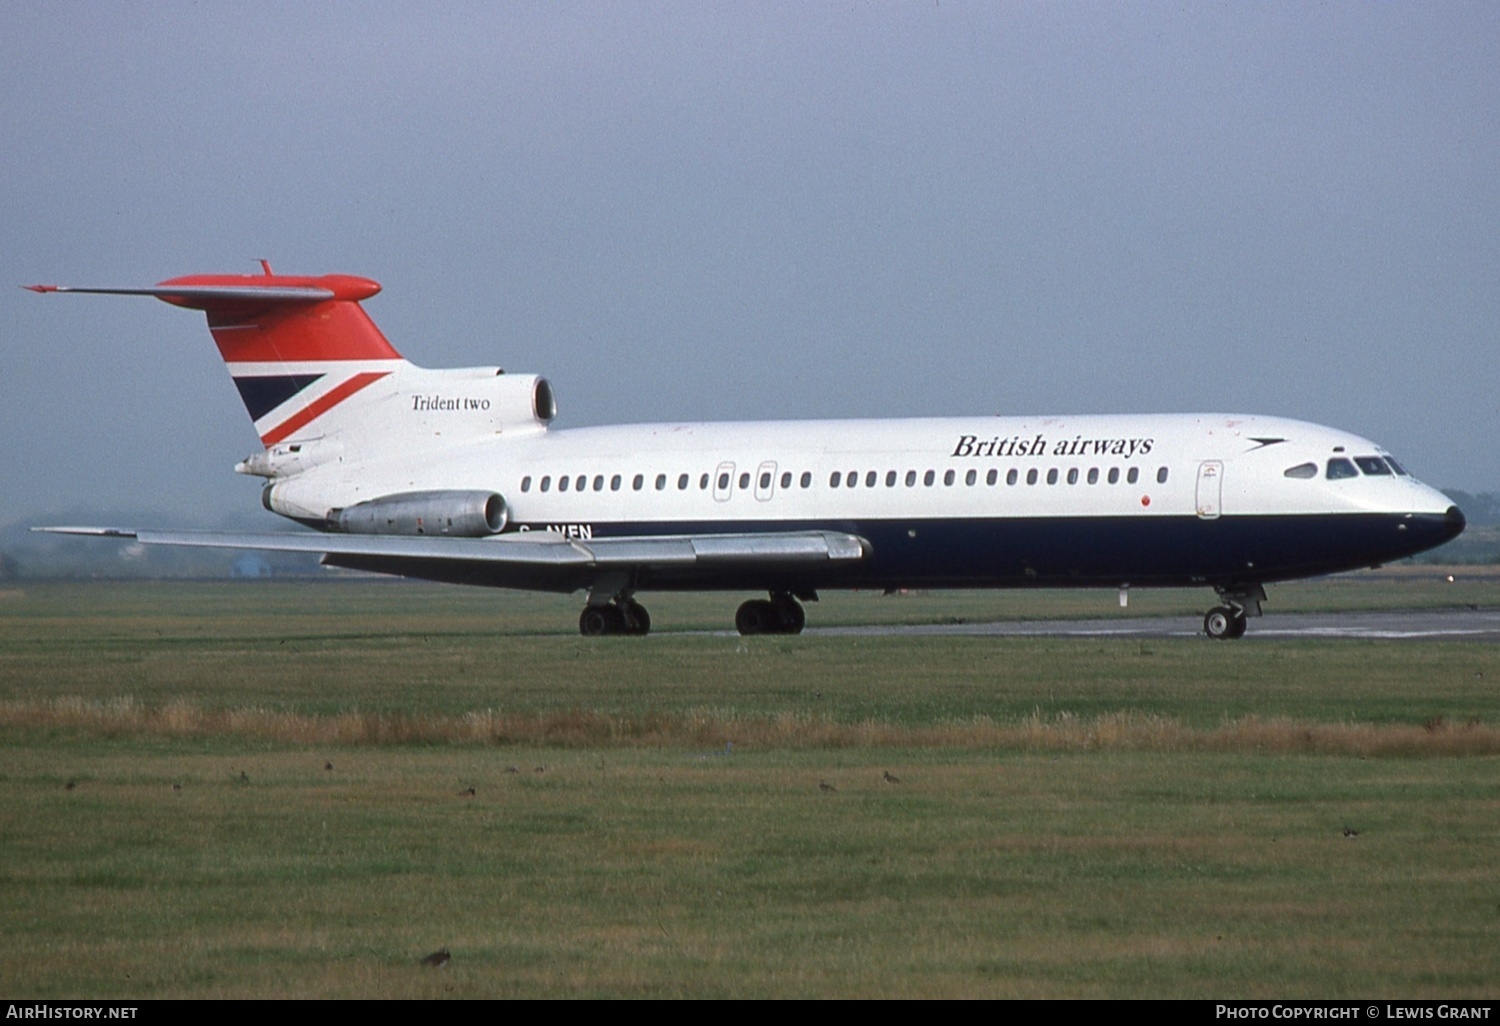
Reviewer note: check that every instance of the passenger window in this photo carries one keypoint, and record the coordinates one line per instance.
(806, 481)
(911, 478)
(1093, 475)
(723, 482)
(1339, 468)
(1012, 475)
(614, 483)
(744, 480)
(546, 482)
(870, 478)
(598, 482)
(947, 477)
(1374, 466)
(1161, 476)
(1031, 476)
(851, 480)
(526, 483)
(1302, 471)
(1072, 475)
(582, 483)
(765, 479)
(971, 477)
(786, 479)
(928, 478)
(661, 482)
(703, 482)
(1052, 476)
(890, 479)
(682, 482)
(562, 483)
(638, 483)
(1114, 475)
(992, 477)
(1133, 475)
(834, 479)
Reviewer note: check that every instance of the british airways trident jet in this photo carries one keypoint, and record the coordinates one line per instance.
(459, 476)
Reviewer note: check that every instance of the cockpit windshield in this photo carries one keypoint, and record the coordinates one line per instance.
(1373, 465)
(1339, 468)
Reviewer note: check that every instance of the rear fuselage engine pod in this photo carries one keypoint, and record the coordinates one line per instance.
(458, 514)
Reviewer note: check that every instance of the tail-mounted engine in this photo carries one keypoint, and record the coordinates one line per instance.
(473, 401)
(456, 514)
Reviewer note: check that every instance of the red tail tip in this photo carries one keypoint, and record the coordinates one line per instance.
(40, 288)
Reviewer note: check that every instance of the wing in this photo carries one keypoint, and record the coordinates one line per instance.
(543, 560)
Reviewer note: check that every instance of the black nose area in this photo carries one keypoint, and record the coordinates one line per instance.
(1456, 521)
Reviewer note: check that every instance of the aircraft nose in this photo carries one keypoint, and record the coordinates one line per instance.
(1423, 531)
(1456, 522)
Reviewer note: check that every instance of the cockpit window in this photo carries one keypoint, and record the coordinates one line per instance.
(1398, 468)
(1373, 465)
(1302, 471)
(1338, 468)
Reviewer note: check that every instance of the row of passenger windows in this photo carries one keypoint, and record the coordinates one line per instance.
(1339, 468)
(638, 483)
(992, 477)
(852, 479)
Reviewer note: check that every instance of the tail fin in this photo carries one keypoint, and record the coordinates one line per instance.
(296, 346)
(324, 387)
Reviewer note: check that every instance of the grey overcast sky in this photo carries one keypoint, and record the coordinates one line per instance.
(753, 210)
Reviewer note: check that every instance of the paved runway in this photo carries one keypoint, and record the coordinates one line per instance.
(1422, 625)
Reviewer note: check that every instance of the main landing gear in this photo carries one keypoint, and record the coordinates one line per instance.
(781, 614)
(1227, 622)
(620, 616)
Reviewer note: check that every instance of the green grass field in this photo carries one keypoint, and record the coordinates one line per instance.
(649, 817)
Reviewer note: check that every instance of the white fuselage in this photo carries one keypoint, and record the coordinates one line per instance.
(937, 468)
(972, 501)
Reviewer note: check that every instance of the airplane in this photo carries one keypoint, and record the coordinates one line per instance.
(458, 475)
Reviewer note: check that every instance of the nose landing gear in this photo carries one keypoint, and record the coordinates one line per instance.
(1227, 622)
(1222, 623)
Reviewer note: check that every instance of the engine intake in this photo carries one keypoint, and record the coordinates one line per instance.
(452, 513)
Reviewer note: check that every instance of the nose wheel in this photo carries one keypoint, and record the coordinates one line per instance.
(1227, 622)
(1224, 624)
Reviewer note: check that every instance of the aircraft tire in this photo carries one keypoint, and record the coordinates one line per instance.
(597, 621)
(757, 616)
(1218, 623)
(637, 620)
(790, 616)
(1237, 628)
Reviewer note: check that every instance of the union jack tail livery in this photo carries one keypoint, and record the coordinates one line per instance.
(297, 347)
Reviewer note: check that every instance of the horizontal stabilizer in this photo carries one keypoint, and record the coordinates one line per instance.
(206, 293)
